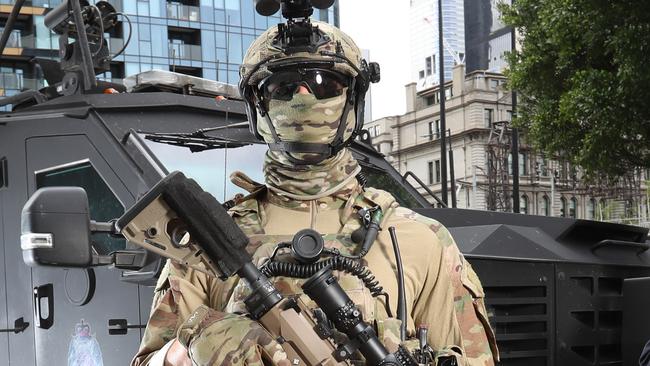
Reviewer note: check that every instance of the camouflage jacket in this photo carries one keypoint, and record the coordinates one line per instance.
(442, 290)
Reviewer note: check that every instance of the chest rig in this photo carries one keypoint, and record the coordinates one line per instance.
(355, 208)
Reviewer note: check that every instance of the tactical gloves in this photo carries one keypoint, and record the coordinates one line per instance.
(215, 338)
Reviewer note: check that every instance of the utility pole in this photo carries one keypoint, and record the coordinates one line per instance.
(515, 138)
(452, 177)
(443, 122)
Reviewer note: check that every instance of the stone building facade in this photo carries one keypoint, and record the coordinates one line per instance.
(478, 107)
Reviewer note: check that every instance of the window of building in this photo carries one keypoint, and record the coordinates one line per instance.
(542, 167)
(431, 100)
(434, 130)
(428, 65)
(430, 172)
(563, 207)
(508, 163)
(602, 210)
(494, 84)
(523, 164)
(421, 74)
(523, 207)
(437, 171)
(546, 206)
(509, 115)
(448, 93)
(487, 117)
(103, 204)
(573, 208)
(591, 209)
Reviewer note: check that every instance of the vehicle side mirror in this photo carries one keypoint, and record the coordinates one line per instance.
(56, 228)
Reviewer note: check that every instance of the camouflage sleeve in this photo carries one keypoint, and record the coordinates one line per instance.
(479, 343)
(179, 291)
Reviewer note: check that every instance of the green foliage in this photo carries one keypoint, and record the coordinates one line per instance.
(583, 78)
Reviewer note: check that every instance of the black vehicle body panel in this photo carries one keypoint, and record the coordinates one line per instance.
(554, 296)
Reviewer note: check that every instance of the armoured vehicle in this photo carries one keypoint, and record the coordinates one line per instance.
(559, 291)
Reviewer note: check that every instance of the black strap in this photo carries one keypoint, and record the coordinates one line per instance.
(301, 147)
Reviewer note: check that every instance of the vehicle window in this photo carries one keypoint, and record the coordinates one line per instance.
(212, 168)
(380, 180)
(103, 204)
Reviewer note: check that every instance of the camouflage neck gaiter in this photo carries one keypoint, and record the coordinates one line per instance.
(309, 182)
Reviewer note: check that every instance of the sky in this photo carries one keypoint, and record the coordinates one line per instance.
(381, 27)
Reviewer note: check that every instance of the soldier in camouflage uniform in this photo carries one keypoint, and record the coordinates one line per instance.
(298, 103)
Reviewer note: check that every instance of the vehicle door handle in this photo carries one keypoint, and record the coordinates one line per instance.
(19, 326)
(41, 292)
(121, 326)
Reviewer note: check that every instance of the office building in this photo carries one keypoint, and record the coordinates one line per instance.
(486, 37)
(425, 62)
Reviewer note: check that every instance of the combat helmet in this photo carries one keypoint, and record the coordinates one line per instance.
(318, 56)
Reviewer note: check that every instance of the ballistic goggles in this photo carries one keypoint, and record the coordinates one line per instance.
(284, 84)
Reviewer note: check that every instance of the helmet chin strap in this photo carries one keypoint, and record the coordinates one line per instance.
(323, 151)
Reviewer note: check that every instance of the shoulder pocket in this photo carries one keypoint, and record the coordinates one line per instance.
(472, 283)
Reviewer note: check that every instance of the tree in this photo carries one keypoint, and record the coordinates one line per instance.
(582, 72)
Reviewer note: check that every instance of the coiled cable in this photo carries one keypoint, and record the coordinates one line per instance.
(338, 263)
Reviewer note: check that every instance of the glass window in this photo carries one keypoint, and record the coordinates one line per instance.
(591, 209)
(43, 34)
(232, 4)
(208, 47)
(487, 117)
(546, 206)
(248, 14)
(102, 203)
(234, 49)
(159, 46)
(427, 65)
(131, 68)
(130, 7)
(430, 172)
(437, 171)
(247, 41)
(421, 74)
(523, 207)
(563, 208)
(155, 7)
(143, 8)
(144, 31)
(145, 48)
(573, 208)
(212, 168)
(523, 164)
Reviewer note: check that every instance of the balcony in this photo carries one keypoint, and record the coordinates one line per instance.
(183, 12)
(181, 51)
(17, 40)
(16, 82)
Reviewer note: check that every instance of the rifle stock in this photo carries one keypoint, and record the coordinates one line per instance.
(180, 221)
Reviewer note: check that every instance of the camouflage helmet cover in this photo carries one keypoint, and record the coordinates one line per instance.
(337, 52)
(263, 48)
